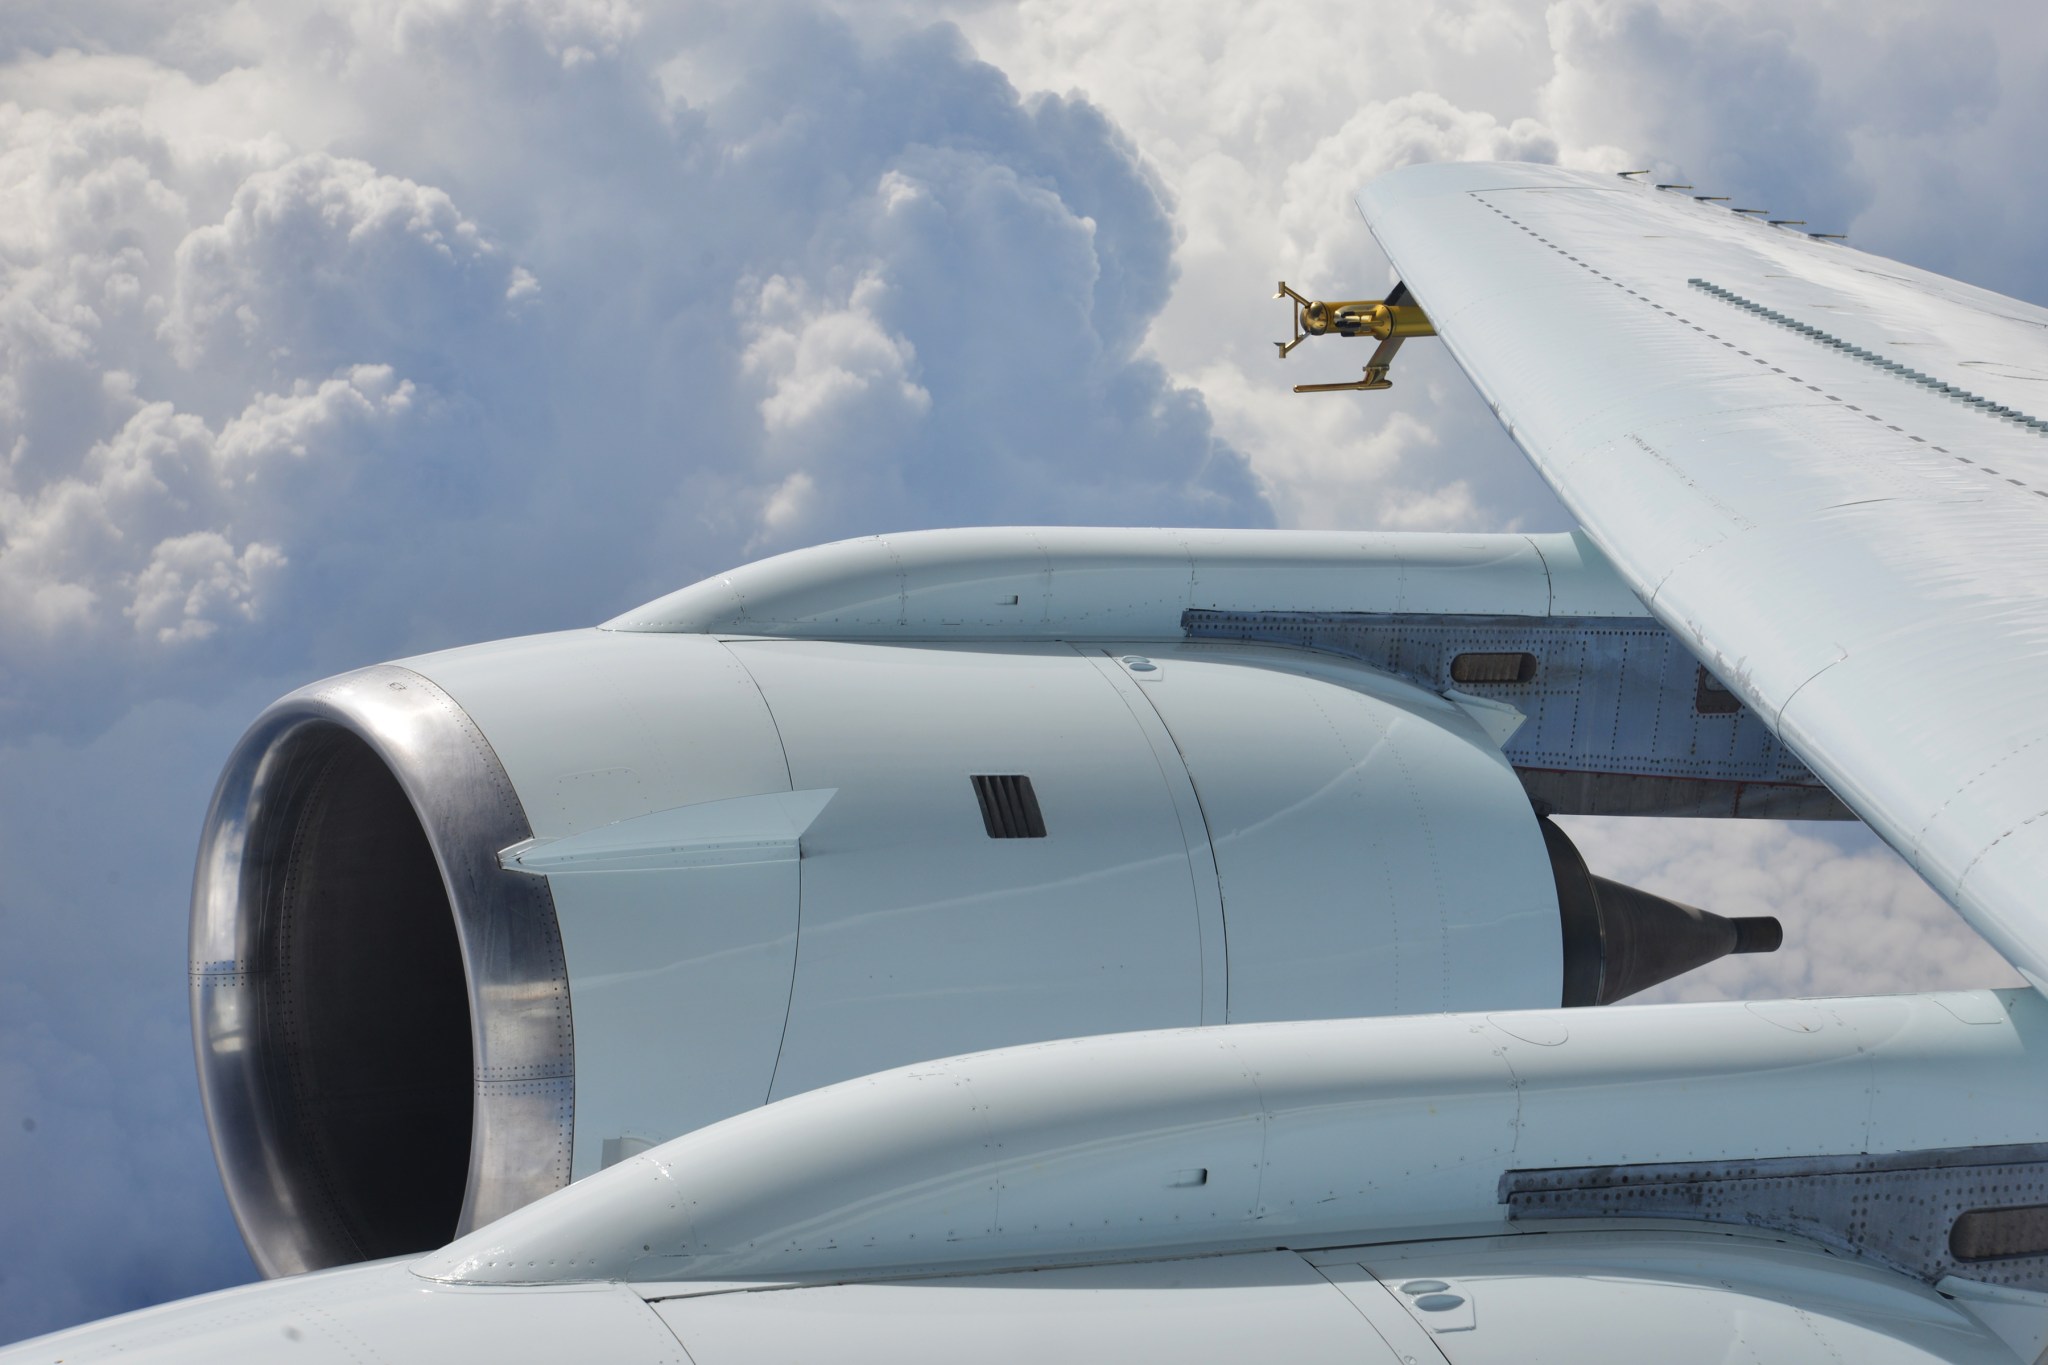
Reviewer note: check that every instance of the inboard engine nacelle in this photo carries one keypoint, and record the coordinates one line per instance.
(471, 925)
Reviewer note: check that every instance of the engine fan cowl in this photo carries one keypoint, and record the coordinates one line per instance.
(1008, 842)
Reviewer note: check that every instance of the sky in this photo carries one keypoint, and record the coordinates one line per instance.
(338, 330)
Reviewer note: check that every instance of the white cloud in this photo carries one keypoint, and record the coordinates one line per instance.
(284, 426)
(840, 398)
(1381, 136)
(144, 528)
(186, 314)
(322, 259)
(192, 580)
(827, 367)
(790, 505)
(574, 31)
(1718, 91)
(533, 219)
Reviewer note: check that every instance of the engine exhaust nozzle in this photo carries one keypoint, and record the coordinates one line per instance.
(1620, 941)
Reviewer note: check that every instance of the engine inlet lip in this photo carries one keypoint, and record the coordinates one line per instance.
(515, 974)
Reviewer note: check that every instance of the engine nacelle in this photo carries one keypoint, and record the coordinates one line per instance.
(469, 926)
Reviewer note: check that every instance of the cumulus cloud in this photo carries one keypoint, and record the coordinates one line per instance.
(1876, 119)
(574, 32)
(839, 399)
(204, 335)
(162, 525)
(276, 276)
(192, 581)
(1718, 92)
(822, 364)
(322, 260)
(1382, 136)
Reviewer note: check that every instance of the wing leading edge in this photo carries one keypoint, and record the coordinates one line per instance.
(1827, 470)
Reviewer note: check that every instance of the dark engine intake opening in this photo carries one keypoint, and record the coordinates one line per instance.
(380, 1010)
(365, 1030)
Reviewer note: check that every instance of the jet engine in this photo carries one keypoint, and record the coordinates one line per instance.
(471, 925)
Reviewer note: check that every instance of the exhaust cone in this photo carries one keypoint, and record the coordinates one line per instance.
(1619, 940)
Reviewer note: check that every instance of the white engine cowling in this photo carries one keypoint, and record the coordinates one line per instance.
(471, 925)
(1230, 833)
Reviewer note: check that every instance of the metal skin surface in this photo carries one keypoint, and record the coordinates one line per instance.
(515, 976)
(1103, 583)
(1666, 1295)
(1825, 470)
(1614, 725)
(1369, 842)
(1623, 1295)
(1654, 1293)
(375, 1314)
(745, 829)
(1897, 1210)
(1261, 1135)
(596, 729)
(1268, 1305)
(1358, 846)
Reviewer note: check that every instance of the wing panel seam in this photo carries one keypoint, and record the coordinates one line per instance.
(1976, 401)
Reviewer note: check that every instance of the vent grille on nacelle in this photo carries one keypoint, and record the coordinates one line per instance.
(1009, 808)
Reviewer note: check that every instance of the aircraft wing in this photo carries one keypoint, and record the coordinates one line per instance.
(1825, 470)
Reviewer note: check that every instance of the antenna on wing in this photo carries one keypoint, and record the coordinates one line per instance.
(1391, 321)
(1763, 214)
